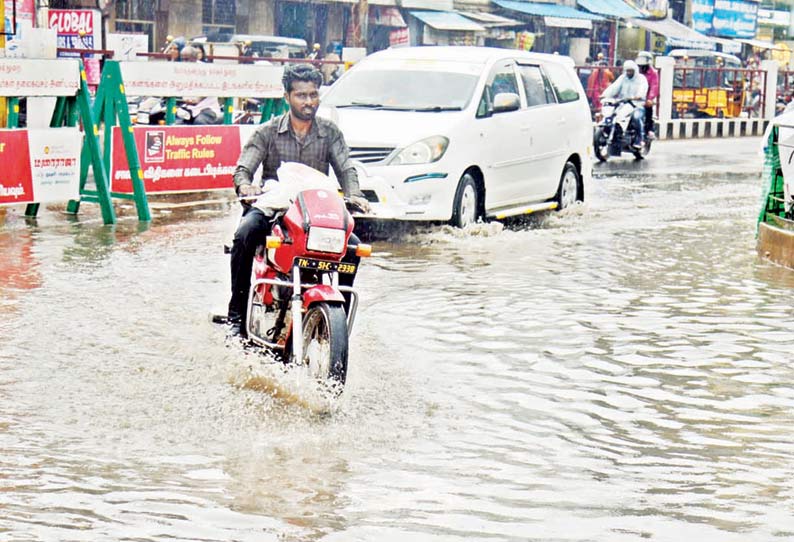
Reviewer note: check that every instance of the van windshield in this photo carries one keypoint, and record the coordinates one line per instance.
(410, 90)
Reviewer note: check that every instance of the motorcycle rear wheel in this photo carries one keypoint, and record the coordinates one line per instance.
(325, 345)
(600, 145)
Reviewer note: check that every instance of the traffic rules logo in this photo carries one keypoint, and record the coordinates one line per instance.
(155, 146)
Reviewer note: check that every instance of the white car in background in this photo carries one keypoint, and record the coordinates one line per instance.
(464, 133)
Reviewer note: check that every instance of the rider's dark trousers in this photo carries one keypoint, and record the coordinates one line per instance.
(251, 233)
(638, 120)
(648, 118)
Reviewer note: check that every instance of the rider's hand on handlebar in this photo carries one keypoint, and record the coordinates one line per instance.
(358, 204)
(248, 190)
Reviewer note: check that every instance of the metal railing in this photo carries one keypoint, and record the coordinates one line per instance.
(253, 59)
(785, 90)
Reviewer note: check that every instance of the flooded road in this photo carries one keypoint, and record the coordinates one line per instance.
(621, 372)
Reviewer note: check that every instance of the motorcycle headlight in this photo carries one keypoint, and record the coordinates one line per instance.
(326, 240)
(425, 151)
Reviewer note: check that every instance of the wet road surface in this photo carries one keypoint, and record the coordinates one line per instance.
(619, 372)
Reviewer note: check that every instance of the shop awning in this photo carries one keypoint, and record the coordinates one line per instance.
(553, 12)
(728, 46)
(759, 44)
(447, 20)
(546, 10)
(386, 16)
(616, 9)
(563, 22)
(677, 34)
(490, 20)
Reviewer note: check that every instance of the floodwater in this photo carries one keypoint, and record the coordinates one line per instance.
(620, 372)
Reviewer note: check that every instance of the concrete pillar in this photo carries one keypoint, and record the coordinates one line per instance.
(770, 99)
(184, 18)
(665, 65)
(42, 13)
(791, 21)
(262, 18)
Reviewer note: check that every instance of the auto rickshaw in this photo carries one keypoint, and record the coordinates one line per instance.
(717, 91)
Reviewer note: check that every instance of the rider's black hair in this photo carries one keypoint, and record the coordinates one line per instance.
(301, 72)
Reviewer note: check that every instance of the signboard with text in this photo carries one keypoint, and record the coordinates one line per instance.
(41, 166)
(735, 18)
(33, 77)
(725, 18)
(79, 29)
(25, 11)
(180, 158)
(197, 79)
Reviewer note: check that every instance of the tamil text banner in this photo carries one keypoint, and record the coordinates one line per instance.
(29, 77)
(41, 166)
(199, 79)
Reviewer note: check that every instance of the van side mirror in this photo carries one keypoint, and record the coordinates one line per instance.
(506, 101)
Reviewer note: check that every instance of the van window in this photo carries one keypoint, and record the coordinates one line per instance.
(562, 80)
(502, 79)
(536, 87)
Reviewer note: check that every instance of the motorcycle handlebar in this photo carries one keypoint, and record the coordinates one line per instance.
(351, 205)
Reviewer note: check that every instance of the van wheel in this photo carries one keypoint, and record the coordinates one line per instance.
(465, 210)
(568, 191)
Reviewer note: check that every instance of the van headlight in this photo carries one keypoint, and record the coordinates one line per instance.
(326, 240)
(425, 151)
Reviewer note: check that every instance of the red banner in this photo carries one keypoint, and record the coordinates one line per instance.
(16, 179)
(179, 158)
(41, 166)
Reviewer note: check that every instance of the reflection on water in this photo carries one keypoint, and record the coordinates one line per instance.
(619, 372)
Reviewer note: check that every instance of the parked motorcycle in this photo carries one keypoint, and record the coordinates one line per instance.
(148, 111)
(296, 305)
(615, 133)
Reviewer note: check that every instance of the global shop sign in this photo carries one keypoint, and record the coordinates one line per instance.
(79, 29)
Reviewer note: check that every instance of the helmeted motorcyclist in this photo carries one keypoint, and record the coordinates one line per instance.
(633, 86)
(645, 63)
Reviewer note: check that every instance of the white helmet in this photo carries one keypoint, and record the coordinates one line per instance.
(644, 58)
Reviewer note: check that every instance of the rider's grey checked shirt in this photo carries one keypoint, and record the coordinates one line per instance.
(275, 142)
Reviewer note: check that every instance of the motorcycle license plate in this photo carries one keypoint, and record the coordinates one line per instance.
(322, 265)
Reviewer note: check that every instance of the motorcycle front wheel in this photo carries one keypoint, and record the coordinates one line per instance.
(325, 345)
(601, 145)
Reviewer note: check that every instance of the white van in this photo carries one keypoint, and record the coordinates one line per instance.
(463, 133)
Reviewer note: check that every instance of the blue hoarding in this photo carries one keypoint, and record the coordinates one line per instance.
(725, 18)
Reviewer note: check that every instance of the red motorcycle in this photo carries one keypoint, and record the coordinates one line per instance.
(296, 306)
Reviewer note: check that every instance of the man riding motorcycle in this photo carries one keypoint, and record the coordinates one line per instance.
(645, 63)
(632, 86)
(296, 136)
